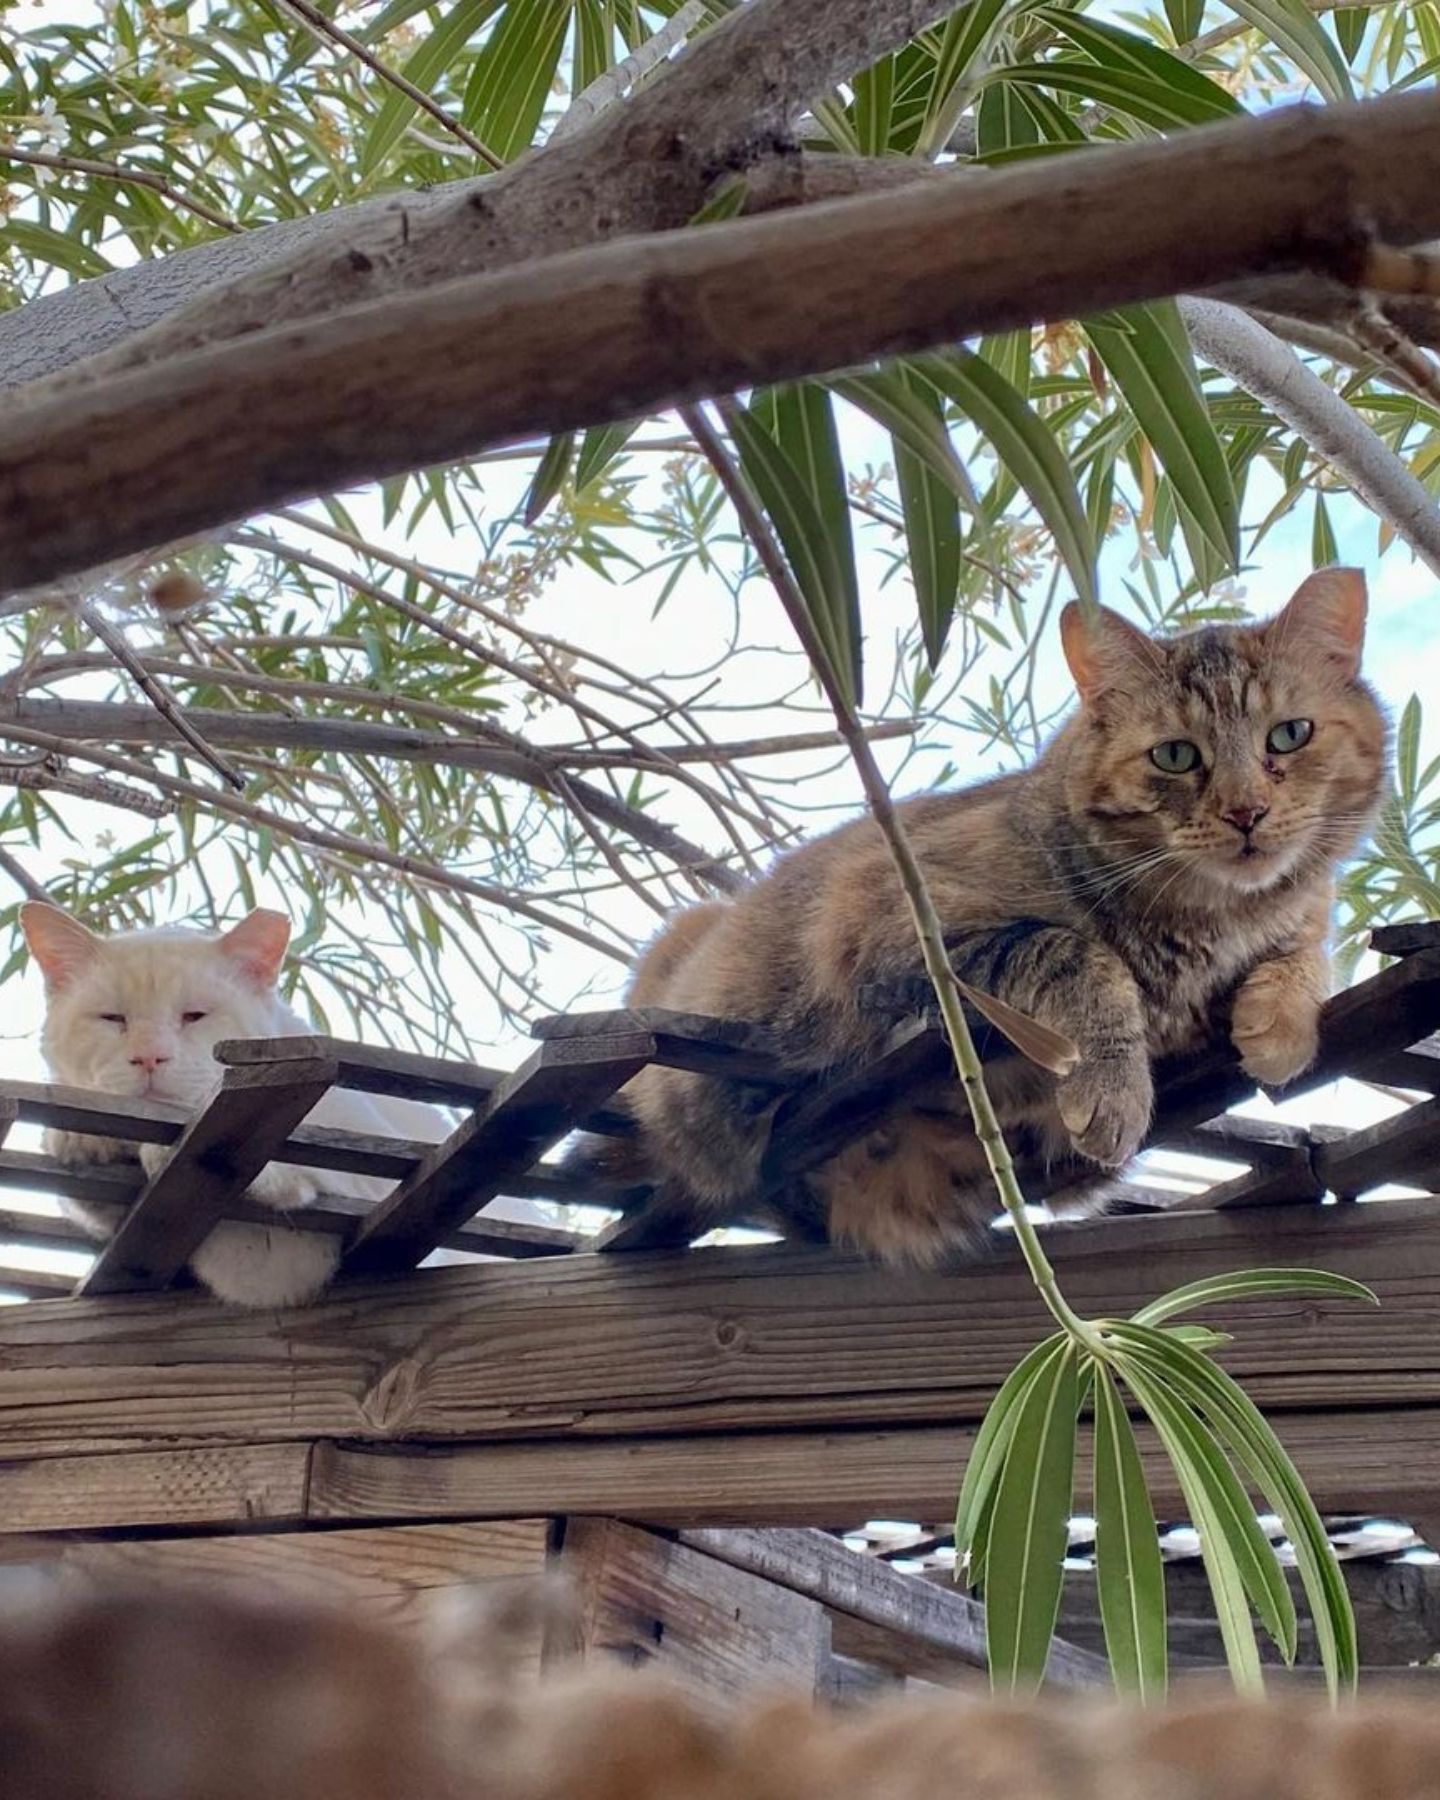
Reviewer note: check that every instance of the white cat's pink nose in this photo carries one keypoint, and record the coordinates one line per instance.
(148, 1063)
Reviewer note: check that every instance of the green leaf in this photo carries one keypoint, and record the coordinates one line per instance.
(1230, 1411)
(514, 73)
(1225, 1521)
(549, 475)
(1026, 449)
(599, 448)
(1129, 1570)
(1297, 33)
(42, 244)
(1117, 49)
(932, 531)
(894, 398)
(1350, 23)
(1407, 752)
(874, 102)
(1251, 1284)
(424, 69)
(1323, 549)
(790, 456)
(968, 34)
(1148, 355)
(1186, 18)
(992, 1444)
(1139, 97)
(1029, 1531)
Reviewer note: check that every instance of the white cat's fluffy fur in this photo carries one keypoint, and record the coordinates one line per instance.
(139, 1014)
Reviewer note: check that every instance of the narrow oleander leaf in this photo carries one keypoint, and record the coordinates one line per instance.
(1029, 1527)
(1350, 24)
(1026, 447)
(549, 476)
(1253, 1443)
(1251, 1284)
(1297, 33)
(424, 69)
(1129, 1570)
(1407, 751)
(1186, 18)
(42, 244)
(992, 1443)
(1323, 549)
(512, 76)
(933, 533)
(1114, 48)
(907, 405)
(599, 447)
(1221, 1548)
(1148, 355)
(964, 43)
(1200, 1337)
(872, 109)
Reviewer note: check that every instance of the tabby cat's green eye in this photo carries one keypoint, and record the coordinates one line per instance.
(1289, 735)
(1177, 756)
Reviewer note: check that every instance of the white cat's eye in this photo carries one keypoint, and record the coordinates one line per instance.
(1289, 735)
(112, 1018)
(1176, 756)
(192, 1018)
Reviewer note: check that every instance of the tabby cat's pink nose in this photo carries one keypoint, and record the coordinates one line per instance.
(148, 1063)
(1245, 818)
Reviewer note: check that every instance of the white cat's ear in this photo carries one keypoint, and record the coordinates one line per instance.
(257, 946)
(1325, 618)
(61, 945)
(1102, 648)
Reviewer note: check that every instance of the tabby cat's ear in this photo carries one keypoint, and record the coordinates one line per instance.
(61, 945)
(257, 946)
(1325, 619)
(1102, 648)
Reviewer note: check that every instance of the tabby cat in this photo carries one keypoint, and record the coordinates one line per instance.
(1169, 856)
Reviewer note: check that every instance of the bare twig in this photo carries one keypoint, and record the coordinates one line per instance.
(22, 877)
(618, 80)
(86, 165)
(1258, 362)
(46, 773)
(329, 32)
(342, 843)
(158, 695)
(1395, 352)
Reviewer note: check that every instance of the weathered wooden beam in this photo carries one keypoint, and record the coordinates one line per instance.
(533, 1109)
(1388, 1459)
(219, 1154)
(1406, 938)
(944, 1620)
(708, 1046)
(1404, 1149)
(773, 1337)
(229, 1485)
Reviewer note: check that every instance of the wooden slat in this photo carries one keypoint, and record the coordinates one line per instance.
(224, 1485)
(215, 1160)
(118, 1184)
(1417, 1068)
(9, 1113)
(39, 1284)
(394, 1570)
(695, 1041)
(1389, 1460)
(908, 1611)
(1406, 938)
(646, 1599)
(530, 1111)
(1403, 1149)
(767, 1338)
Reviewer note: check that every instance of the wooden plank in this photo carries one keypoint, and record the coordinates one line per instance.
(1417, 1068)
(769, 1337)
(119, 1184)
(1406, 938)
(529, 1112)
(38, 1284)
(393, 1570)
(648, 1600)
(1388, 1461)
(225, 1485)
(708, 1046)
(906, 1612)
(220, 1153)
(1404, 1149)
(9, 1113)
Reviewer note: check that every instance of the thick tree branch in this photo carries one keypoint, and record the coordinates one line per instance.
(1274, 375)
(160, 452)
(731, 98)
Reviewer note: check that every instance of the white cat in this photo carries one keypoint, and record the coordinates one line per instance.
(139, 1014)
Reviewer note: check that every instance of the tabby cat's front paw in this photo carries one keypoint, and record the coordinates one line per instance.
(1276, 1030)
(1106, 1105)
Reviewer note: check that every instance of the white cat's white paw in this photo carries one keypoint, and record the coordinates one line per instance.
(77, 1147)
(265, 1265)
(284, 1187)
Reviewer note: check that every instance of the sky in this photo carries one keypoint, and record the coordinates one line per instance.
(693, 629)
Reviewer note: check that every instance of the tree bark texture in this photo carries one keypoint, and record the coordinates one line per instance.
(91, 470)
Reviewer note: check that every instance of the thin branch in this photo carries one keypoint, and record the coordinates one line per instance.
(158, 694)
(1233, 28)
(1407, 363)
(342, 842)
(329, 32)
(22, 877)
(617, 81)
(92, 470)
(1271, 372)
(85, 165)
(46, 773)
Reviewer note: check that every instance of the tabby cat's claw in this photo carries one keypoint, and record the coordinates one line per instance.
(1106, 1105)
